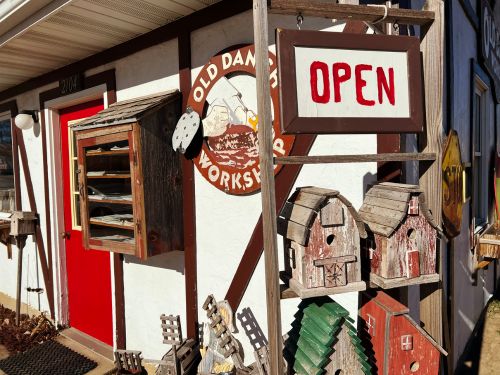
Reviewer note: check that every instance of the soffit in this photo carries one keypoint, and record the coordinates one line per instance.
(82, 28)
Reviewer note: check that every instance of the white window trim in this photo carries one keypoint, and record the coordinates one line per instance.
(480, 87)
(51, 116)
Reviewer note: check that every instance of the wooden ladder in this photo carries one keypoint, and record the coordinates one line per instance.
(431, 21)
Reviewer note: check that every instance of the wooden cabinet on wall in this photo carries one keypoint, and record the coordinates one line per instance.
(130, 178)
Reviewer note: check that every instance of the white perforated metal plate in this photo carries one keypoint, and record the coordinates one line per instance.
(185, 130)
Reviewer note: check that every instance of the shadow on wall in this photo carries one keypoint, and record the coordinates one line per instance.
(252, 328)
(153, 64)
(173, 260)
(367, 343)
(368, 178)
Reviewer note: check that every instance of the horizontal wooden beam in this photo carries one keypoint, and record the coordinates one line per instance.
(411, 156)
(286, 292)
(315, 8)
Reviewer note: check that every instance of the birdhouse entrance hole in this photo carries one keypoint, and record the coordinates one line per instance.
(414, 366)
(330, 238)
(412, 234)
(339, 372)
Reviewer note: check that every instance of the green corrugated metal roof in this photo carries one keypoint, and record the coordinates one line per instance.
(311, 341)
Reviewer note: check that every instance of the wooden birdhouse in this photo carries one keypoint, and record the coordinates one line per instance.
(321, 232)
(401, 247)
(323, 340)
(398, 344)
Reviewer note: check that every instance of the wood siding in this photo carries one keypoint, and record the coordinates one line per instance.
(325, 243)
(389, 256)
(423, 356)
(162, 179)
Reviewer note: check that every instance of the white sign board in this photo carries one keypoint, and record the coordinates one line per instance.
(346, 83)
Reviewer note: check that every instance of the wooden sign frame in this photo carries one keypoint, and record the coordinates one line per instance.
(292, 123)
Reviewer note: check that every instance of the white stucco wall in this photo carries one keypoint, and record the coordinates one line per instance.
(32, 275)
(224, 222)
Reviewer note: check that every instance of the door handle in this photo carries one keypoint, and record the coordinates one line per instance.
(65, 235)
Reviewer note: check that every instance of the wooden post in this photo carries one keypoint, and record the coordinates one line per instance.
(265, 138)
(20, 241)
(431, 180)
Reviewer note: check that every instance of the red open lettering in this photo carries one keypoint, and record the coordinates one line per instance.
(389, 89)
(343, 80)
(360, 83)
(338, 79)
(316, 97)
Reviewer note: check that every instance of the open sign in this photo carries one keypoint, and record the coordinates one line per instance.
(343, 83)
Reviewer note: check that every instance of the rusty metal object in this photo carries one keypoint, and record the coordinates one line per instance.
(453, 192)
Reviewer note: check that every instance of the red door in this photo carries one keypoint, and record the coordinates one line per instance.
(412, 264)
(88, 271)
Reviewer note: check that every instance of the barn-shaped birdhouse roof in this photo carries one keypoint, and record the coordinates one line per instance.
(126, 111)
(395, 308)
(386, 206)
(302, 208)
(321, 328)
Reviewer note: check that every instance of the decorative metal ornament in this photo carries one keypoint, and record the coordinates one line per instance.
(453, 186)
(224, 95)
(185, 130)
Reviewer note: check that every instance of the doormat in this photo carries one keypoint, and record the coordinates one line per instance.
(49, 358)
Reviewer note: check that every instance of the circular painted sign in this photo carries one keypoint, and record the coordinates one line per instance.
(224, 95)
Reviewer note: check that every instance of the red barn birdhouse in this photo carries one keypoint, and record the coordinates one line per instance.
(402, 244)
(321, 232)
(398, 344)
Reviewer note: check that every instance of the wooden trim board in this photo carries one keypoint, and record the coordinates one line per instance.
(293, 122)
(315, 8)
(384, 283)
(302, 292)
(322, 159)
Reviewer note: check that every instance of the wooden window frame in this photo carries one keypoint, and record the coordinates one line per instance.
(8, 111)
(137, 249)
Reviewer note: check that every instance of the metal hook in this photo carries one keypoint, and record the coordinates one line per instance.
(395, 26)
(300, 20)
(381, 18)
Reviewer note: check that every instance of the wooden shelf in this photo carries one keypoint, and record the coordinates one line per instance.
(116, 175)
(107, 153)
(111, 201)
(112, 225)
(325, 159)
(315, 8)
(378, 281)
(126, 245)
(293, 289)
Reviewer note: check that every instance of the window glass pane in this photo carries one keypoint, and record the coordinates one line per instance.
(75, 185)
(477, 191)
(477, 123)
(109, 192)
(7, 192)
(76, 217)
(479, 178)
